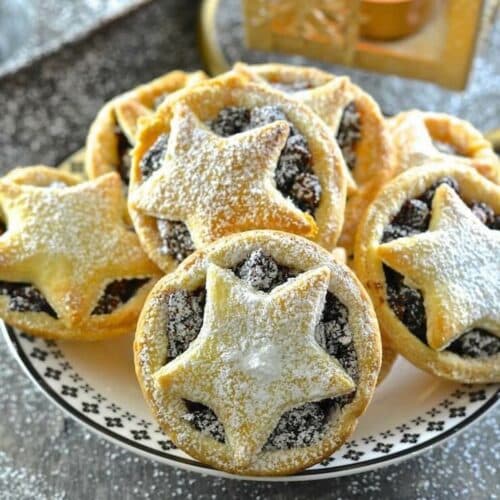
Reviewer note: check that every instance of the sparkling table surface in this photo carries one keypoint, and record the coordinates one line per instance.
(46, 109)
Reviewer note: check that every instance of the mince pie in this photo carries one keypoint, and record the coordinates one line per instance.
(230, 156)
(428, 251)
(258, 354)
(112, 135)
(420, 135)
(69, 266)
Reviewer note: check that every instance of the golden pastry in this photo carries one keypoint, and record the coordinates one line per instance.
(258, 354)
(353, 117)
(351, 114)
(42, 176)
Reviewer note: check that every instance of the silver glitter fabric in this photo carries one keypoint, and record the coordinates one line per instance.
(31, 28)
(46, 110)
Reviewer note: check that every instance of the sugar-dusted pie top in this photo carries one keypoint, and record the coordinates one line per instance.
(456, 264)
(256, 357)
(218, 185)
(427, 251)
(112, 134)
(418, 136)
(69, 242)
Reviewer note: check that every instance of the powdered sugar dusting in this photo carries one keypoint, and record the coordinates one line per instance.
(262, 363)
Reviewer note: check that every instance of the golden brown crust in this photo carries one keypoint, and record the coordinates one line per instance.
(356, 205)
(389, 356)
(54, 245)
(369, 267)
(150, 349)
(414, 131)
(41, 176)
(205, 101)
(101, 153)
(328, 95)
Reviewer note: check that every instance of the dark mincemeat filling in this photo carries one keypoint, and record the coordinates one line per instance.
(175, 239)
(125, 148)
(118, 293)
(294, 176)
(349, 133)
(124, 159)
(174, 235)
(153, 158)
(300, 426)
(24, 297)
(408, 303)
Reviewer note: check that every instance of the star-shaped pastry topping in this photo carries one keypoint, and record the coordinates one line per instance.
(256, 357)
(69, 242)
(219, 185)
(456, 265)
(329, 100)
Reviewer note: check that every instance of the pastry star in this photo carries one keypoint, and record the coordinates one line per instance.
(219, 185)
(328, 100)
(256, 357)
(456, 264)
(69, 242)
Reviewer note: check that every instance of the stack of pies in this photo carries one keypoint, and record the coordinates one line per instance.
(275, 243)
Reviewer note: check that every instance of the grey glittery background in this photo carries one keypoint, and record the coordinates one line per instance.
(46, 110)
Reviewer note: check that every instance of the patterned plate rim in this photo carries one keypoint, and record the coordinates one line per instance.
(194, 466)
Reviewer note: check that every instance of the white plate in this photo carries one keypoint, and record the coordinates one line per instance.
(95, 384)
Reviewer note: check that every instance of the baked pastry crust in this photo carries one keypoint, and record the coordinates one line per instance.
(448, 240)
(328, 95)
(415, 133)
(41, 176)
(249, 198)
(150, 349)
(389, 356)
(101, 150)
(69, 240)
(356, 205)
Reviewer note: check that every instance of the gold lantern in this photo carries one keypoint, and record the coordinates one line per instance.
(431, 40)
